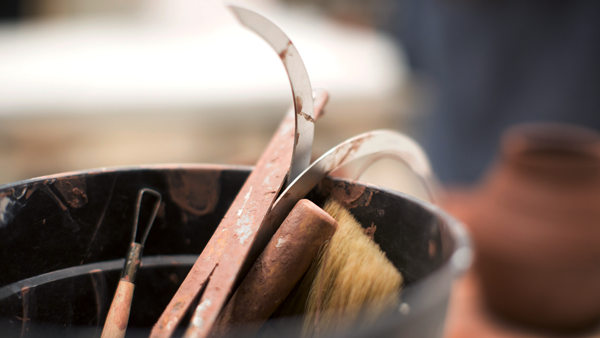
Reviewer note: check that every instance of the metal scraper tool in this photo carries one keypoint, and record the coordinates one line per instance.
(369, 146)
(225, 257)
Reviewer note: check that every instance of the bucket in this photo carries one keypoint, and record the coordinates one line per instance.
(63, 239)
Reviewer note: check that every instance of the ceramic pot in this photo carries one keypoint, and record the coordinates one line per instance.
(535, 221)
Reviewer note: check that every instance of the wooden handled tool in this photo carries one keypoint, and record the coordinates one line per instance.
(225, 257)
(280, 266)
(241, 221)
(118, 314)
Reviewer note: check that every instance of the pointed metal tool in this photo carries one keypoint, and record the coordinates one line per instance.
(227, 255)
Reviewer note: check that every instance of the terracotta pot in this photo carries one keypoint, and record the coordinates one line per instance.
(535, 221)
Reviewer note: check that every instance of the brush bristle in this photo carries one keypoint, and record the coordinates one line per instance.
(350, 277)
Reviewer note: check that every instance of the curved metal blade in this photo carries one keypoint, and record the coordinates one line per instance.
(364, 145)
(301, 89)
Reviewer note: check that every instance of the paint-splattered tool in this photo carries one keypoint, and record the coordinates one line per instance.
(230, 251)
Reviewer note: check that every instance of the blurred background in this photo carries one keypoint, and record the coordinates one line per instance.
(88, 83)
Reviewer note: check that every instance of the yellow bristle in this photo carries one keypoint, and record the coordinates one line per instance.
(350, 277)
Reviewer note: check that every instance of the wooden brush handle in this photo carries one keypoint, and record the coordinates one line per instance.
(286, 258)
(118, 315)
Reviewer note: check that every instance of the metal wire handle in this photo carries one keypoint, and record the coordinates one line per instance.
(137, 213)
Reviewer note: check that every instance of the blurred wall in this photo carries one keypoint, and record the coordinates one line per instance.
(86, 84)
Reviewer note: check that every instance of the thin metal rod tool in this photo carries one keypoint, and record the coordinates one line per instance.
(225, 258)
(118, 315)
(138, 207)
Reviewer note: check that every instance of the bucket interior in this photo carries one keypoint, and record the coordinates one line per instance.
(63, 239)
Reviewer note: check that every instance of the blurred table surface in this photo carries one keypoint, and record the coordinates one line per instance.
(468, 316)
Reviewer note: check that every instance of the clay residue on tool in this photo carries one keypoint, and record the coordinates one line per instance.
(342, 153)
(283, 53)
(198, 321)
(73, 190)
(370, 231)
(306, 117)
(348, 194)
(299, 106)
(239, 213)
(354, 147)
(244, 227)
(195, 192)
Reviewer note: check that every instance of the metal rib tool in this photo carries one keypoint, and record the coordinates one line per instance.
(362, 146)
(225, 257)
(299, 80)
(365, 145)
(118, 315)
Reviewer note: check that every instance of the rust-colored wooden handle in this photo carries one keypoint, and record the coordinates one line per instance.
(280, 266)
(118, 315)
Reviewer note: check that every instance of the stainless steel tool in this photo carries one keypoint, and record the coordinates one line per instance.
(364, 146)
(299, 80)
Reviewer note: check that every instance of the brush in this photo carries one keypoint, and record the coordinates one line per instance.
(350, 278)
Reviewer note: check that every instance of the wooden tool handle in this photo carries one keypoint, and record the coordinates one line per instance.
(118, 315)
(280, 266)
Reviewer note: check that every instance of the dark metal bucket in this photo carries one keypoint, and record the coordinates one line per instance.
(63, 239)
